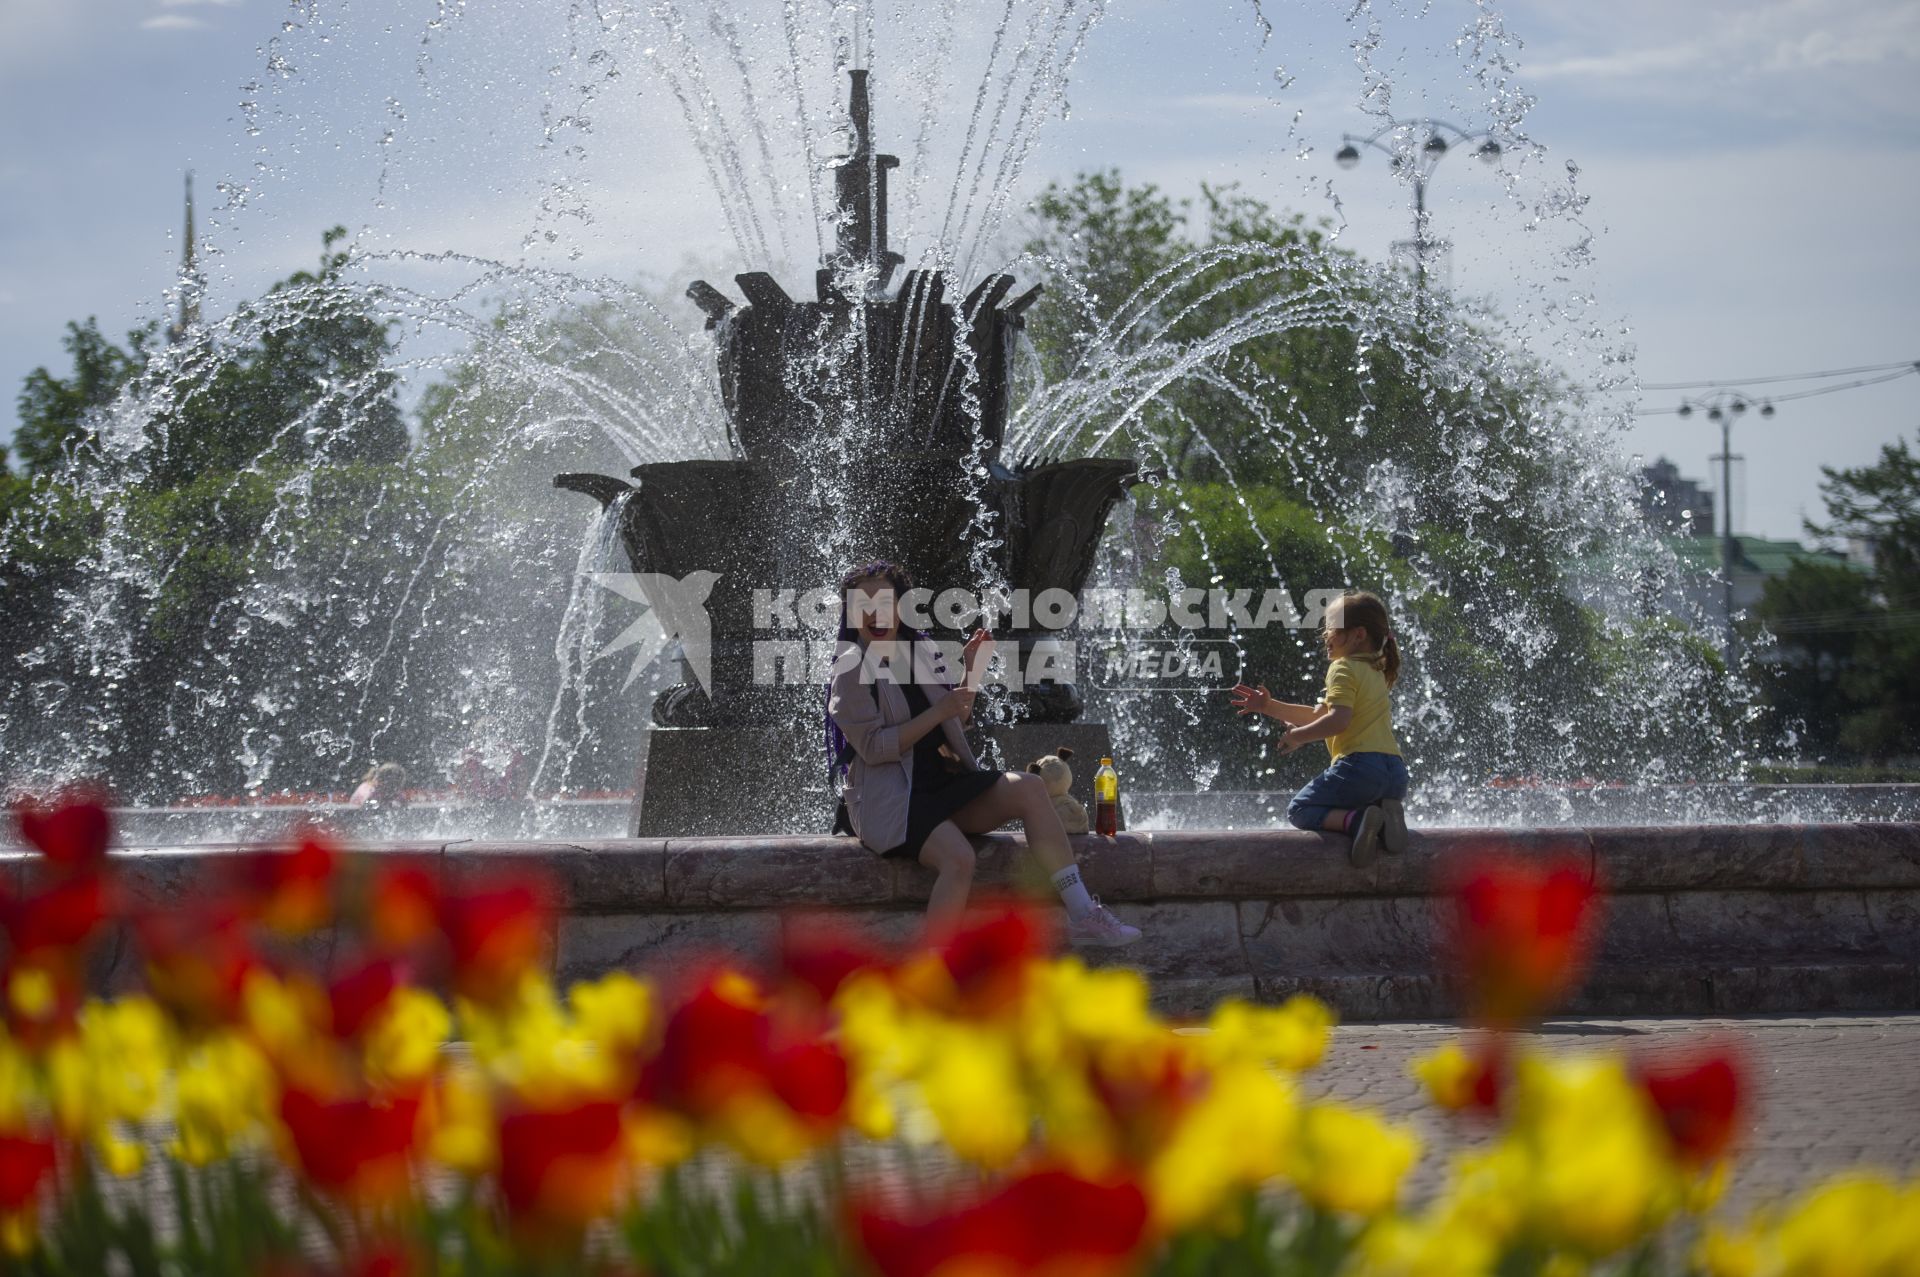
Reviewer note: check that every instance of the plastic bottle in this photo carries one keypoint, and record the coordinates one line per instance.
(1106, 799)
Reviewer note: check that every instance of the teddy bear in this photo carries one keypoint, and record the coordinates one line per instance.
(1053, 769)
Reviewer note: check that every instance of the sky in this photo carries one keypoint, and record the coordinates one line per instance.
(1719, 189)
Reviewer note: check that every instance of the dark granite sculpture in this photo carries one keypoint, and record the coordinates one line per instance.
(866, 423)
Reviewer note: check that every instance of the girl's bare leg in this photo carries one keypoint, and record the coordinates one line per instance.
(1021, 796)
(948, 853)
(1336, 821)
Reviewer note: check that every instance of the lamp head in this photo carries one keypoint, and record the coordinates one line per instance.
(1686, 410)
(1436, 145)
(1489, 151)
(1347, 156)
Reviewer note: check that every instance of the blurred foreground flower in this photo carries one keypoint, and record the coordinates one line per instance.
(1521, 932)
(339, 1105)
(1044, 1222)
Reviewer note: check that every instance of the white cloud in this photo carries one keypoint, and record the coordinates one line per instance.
(1784, 37)
(171, 22)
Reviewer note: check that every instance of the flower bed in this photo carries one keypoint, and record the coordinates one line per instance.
(321, 1123)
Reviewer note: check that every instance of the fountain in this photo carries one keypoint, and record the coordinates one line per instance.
(880, 411)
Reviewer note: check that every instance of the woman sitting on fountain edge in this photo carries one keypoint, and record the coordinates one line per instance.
(912, 784)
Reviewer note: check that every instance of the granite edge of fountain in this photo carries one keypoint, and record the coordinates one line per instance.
(719, 873)
(1700, 920)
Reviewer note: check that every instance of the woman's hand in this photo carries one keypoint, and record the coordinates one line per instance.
(974, 656)
(1251, 700)
(957, 704)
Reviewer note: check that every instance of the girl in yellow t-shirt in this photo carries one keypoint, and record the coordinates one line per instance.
(1363, 792)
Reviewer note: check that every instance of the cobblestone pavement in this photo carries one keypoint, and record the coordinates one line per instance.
(1832, 1092)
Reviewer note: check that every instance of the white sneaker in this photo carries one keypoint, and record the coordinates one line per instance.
(1100, 929)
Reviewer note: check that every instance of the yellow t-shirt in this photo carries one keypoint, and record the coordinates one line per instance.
(1354, 682)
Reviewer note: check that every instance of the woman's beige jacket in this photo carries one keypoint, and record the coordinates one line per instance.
(866, 702)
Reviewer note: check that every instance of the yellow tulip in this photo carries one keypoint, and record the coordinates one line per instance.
(1350, 1161)
(224, 1093)
(1292, 1036)
(972, 1086)
(403, 1043)
(1435, 1246)
(1601, 1175)
(1234, 1136)
(462, 1135)
(1724, 1252)
(1856, 1225)
(613, 1010)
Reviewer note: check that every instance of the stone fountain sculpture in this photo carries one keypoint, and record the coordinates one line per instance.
(866, 423)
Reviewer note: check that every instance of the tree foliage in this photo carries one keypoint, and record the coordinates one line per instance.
(1846, 673)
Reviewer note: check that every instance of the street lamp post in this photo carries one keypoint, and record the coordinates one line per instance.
(1722, 407)
(1416, 147)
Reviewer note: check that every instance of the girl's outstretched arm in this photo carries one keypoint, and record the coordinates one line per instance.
(1330, 723)
(1257, 700)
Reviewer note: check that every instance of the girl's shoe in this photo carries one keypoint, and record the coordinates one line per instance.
(1394, 836)
(1101, 930)
(1366, 837)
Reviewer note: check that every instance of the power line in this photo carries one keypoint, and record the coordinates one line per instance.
(1901, 370)
(1906, 364)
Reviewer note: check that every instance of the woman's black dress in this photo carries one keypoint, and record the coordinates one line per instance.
(937, 792)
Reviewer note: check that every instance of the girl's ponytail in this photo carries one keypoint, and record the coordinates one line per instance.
(1390, 659)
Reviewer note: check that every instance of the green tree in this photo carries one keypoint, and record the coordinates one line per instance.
(308, 380)
(1847, 668)
(58, 414)
(1370, 444)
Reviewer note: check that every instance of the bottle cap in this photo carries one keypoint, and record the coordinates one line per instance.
(1106, 762)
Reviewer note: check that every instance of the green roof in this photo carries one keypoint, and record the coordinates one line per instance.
(1764, 555)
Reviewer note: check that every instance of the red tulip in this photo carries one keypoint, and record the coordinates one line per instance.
(198, 961)
(73, 834)
(1045, 1222)
(1700, 1098)
(62, 916)
(1522, 933)
(724, 1042)
(988, 958)
(355, 998)
(811, 1079)
(560, 1166)
(404, 906)
(25, 1163)
(495, 934)
(356, 1148)
(821, 954)
(1145, 1093)
(714, 1046)
(289, 891)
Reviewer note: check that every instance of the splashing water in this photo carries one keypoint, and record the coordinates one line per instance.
(431, 604)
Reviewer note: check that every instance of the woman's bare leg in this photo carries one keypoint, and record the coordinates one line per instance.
(948, 853)
(1021, 796)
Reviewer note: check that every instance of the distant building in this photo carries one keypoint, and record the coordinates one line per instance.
(1757, 560)
(1674, 504)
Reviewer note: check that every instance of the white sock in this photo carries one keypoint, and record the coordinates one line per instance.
(1073, 892)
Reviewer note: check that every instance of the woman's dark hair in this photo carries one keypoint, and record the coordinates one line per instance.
(1367, 611)
(892, 573)
(901, 580)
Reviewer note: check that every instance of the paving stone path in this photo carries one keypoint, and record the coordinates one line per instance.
(1832, 1093)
